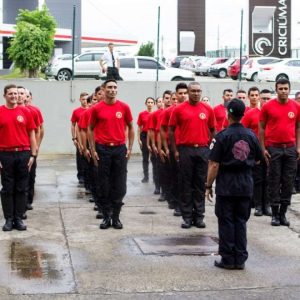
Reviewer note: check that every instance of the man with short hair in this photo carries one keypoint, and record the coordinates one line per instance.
(241, 95)
(279, 133)
(108, 123)
(196, 123)
(110, 63)
(18, 151)
(253, 96)
(220, 110)
(75, 136)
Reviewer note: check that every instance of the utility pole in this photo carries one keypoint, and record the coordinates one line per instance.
(241, 48)
(73, 50)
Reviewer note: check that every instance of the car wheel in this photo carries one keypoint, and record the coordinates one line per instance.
(234, 77)
(282, 76)
(254, 77)
(177, 78)
(222, 73)
(64, 75)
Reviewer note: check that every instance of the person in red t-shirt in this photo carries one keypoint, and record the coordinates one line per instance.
(142, 123)
(280, 143)
(196, 123)
(108, 123)
(22, 96)
(75, 136)
(251, 120)
(220, 110)
(152, 143)
(18, 151)
(166, 151)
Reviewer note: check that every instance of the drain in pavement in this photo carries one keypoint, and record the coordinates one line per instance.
(187, 245)
(147, 212)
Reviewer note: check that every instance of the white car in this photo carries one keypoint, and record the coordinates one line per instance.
(220, 70)
(85, 65)
(288, 68)
(252, 65)
(143, 68)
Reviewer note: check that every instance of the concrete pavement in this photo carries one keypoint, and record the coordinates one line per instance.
(64, 254)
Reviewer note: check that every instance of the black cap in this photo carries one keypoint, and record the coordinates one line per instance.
(236, 108)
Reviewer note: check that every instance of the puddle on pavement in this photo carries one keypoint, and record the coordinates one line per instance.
(30, 263)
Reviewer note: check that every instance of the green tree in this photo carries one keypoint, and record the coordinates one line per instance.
(32, 45)
(146, 49)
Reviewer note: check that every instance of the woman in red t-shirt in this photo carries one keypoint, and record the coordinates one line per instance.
(142, 135)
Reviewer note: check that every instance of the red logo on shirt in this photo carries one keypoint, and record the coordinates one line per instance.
(202, 116)
(20, 119)
(241, 150)
(291, 115)
(119, 115)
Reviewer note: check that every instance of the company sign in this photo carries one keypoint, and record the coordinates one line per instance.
(270, 28)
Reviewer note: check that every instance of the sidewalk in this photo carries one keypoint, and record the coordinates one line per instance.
(64, 254)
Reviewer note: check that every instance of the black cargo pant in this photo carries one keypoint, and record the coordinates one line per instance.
(14, 180)
(176, 190)
(112, 176)
(259, 173)
(282, 171)
(32, 175)
(145, 154)
(113, 73)
(155, 161)
(193, 164)
(233, 214)
(79, 165)
(165, 178)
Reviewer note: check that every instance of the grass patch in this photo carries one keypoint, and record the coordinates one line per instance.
(16, 73)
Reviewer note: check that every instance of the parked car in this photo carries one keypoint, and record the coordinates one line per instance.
(219, 70)
(189, 63)
(143, 68)
(252, 65)
(203, 67)
(85, 65)
(288, 68)
(175, 63)
(234, 69)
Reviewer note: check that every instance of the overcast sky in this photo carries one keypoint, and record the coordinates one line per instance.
(137, 20)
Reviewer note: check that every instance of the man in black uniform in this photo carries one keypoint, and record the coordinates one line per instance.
(234, 152)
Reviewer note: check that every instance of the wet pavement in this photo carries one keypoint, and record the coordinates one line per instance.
(64, 254)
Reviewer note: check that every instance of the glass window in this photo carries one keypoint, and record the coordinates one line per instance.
(147, 64)
(86, 57)
(97, 56)
(127, 63)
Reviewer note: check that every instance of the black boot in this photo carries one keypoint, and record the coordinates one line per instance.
(106, 223)
(283, 220)
(258, 211)
(275, 216)
(267, 210)
(19, 225)
(8, 226)
(99, 214)
(116, 223)
(145, 179)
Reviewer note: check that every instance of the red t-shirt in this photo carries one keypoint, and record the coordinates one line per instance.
(110, 121)
(152, 122)
(76, 114)
(35, 115)
(220, 115)
(84, 119)
(143, 120)
(14, 127)
(194, 122)
(280, 120)
(251, 119)
(41, 119)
